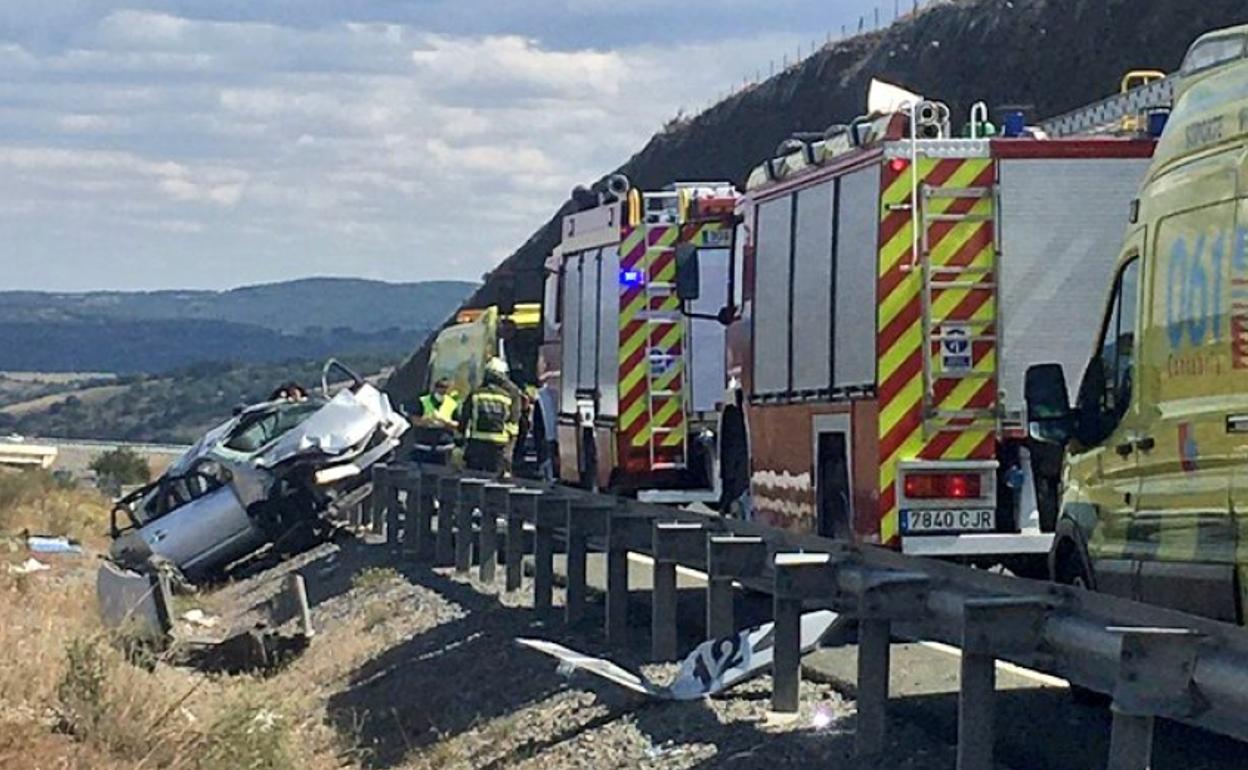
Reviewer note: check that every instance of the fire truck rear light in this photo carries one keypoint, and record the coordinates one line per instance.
(956, 486)
(898, 165)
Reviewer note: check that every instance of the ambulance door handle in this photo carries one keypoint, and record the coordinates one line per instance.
(1146, 443)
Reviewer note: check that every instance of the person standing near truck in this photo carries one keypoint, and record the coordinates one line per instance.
(490, 421)
(435, 418)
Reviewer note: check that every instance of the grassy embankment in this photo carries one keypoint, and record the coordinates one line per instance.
(70, 698)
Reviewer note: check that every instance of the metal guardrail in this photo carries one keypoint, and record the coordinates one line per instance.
(102, 444)
(1153, 662)
(1100, 115)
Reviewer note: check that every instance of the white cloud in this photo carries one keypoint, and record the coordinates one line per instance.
(151, 148)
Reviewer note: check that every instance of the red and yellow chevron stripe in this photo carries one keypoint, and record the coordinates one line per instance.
(651, 373)
(904, 432)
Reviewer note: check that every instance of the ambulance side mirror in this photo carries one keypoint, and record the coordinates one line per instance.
(1049, 416)
(688, 285)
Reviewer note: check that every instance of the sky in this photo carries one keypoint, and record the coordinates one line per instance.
(152, 144)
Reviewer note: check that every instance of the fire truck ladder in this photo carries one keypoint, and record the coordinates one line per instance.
(665, 453)
(1107, 114)
(957, 335)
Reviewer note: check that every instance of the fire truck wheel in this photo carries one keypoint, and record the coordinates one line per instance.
(588, 460)
(734, 456)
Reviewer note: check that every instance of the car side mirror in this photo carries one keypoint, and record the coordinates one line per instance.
(688, 285)
(1049, 416)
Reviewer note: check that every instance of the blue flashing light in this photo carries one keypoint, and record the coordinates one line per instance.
(630, 277)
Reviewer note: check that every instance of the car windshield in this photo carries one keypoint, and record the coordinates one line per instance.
(257, 430)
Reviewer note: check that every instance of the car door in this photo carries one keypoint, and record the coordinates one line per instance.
(206, 525)
(1102, 474)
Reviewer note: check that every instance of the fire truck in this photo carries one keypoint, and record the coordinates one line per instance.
(895, 283)
(638, 376)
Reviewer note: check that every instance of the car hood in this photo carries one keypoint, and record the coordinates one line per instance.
(345, 423)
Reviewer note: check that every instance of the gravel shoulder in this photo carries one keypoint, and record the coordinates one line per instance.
(436, 680)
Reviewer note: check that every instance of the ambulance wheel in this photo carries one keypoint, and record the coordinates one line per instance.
(1071, 570)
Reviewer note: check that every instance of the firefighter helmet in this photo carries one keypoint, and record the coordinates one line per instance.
(496, 366)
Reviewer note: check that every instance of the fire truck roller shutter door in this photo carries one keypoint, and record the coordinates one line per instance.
(773, 252)
(587, 372)
(571, 336)
(812, 287)
(705, 349)
(1061, 223)
(857, 224)
(609, 332)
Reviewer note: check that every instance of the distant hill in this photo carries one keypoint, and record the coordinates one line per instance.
(289, 307)
(176, 407)
(151, 332)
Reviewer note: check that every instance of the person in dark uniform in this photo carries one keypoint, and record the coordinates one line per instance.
(435, 419)
(490, 422)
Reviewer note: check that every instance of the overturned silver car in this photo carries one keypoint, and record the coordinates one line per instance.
(270, 474)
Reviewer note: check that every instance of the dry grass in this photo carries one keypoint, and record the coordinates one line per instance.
(373, 577)
(70, 699)
(36, 502)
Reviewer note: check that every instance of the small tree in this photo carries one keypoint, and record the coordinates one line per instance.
(120, 467)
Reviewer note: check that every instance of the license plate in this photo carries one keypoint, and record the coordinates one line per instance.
(955, 520)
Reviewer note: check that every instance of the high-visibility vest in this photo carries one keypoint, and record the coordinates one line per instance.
(490, 419)
(444, 411)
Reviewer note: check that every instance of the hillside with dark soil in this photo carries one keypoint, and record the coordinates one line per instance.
(1052, 55)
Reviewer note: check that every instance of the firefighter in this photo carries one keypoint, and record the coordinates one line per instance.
(490, 421)
(435, 420)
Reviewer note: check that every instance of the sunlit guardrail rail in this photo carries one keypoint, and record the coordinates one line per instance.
(1151, 661)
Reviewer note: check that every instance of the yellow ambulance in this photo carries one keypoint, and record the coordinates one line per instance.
(1154, 484)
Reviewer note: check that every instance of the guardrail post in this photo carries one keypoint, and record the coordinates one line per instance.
(882, 597)
(626, 531)
(729, 557)
(406, 481)
(673, 542)
(799, 576)
(448, 501)
(162, 599)
(552, 513)
(298, 592)
(586, 517)
(392, 522)
(422, 507)
(1154, 679)
(521, 508)
(374, 505)
(470, 493)
(991, 626)
(495, 497)
(386, 507)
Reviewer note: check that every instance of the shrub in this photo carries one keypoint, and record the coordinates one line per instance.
(373, 577)
(120, 467)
